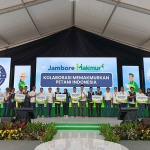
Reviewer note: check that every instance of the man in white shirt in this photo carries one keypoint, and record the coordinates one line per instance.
(115, 104)
(49, 97)
(74, 105)
(20, 104)
(41, 106)
(83, 94)
(122, 92)
(107, 102)
(33, 97)
(141, 106)
(6, 94)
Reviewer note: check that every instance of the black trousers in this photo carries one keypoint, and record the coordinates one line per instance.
(98, 109)
(65, 108)
(148, 105)
(27, 104)
(90, 109)
(49, 109)
(11, 105)
(57, 109)
(132, 105)
(20, 105)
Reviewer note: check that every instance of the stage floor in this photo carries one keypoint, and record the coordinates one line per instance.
(92, 120)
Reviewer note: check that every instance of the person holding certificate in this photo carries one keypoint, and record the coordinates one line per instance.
(115, 103)
(141, 105)
(57, 104)
(122, 92)
(66, 103)
(11, 103)
(20, 104)
(98, 104)
(107, 102)
(6, 94)
(90, 103)
(41, 104)
(33, 97)
(132, 97)
(49, 97)
(75, 102)
(27, 97)
(83, 95)
(148, 105)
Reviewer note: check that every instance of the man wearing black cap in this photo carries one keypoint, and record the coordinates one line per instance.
(83, 94)
(98, 104)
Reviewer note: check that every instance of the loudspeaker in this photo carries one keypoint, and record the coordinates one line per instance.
(7, 119)
(25, 114)
(145, 120)
(123, 112)
(131, 117)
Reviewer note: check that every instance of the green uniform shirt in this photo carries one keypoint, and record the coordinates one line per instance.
(133, 84)
(21, 83)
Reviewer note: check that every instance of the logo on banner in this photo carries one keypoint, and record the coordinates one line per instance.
(2, 75)
(77, 67)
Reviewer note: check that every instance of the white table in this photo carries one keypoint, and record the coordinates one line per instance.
(80, 144)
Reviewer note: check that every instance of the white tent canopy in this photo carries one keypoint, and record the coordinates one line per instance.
(125, 21)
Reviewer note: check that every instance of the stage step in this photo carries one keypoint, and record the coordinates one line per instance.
(77, 126)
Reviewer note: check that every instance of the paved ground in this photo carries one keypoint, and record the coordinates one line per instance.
(30, 145)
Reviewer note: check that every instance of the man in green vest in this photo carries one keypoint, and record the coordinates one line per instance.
(21, 81)
(132, 83)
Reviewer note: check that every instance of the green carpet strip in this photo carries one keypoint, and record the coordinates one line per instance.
(77, 126)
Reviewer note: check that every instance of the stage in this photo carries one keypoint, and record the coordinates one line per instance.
(84, 123)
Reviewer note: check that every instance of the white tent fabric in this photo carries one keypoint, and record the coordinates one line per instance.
(124, 21)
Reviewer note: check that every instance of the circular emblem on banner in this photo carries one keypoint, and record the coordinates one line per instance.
(2, 75)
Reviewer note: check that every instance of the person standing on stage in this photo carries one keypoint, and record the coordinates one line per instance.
(122, 92)
(33, 97)
(57, 104)
(20, 104)
(74, 105)
(98, 104)
(90, 103)
(107, 102)
(66, 104)
(27, 97)
(148, 105)
(115, 104)
(83, 94)
(41, 106)
(50, 98)
(6, 94)
(11, 103)
(141, 106)
(132, 97)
